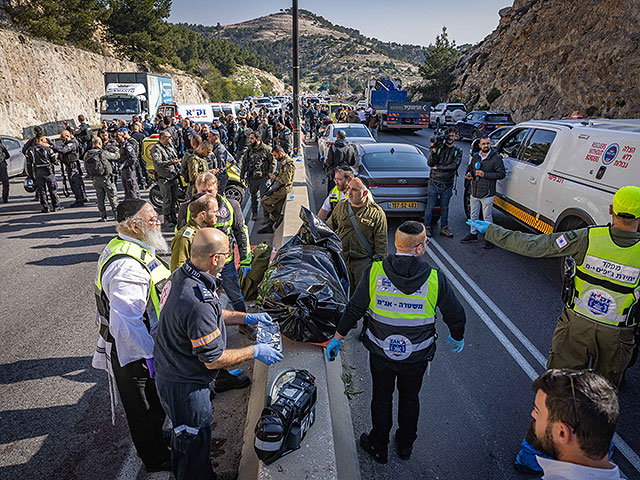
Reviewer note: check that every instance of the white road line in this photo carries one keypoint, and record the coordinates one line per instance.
(631, 456)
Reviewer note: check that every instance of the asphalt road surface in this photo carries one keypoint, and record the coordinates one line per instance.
(476, 405)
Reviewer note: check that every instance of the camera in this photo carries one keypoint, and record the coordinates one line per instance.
(438, 138)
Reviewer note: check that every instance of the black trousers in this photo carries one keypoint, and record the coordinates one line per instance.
(409, 380)
(74, 174)
(145, 414)
(4, 179)
(45, 181)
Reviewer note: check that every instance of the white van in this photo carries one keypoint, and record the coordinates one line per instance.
(561, 175)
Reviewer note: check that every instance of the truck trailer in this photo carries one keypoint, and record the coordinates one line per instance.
(389, 99)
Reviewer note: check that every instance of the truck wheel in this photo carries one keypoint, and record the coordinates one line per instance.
(234, 192)
(155, 197)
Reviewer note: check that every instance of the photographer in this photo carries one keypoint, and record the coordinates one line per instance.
(444, 162)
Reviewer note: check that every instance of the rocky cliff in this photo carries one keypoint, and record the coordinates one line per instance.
(42, 82)
(548, 58)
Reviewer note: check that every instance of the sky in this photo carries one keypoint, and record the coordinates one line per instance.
(403, 21)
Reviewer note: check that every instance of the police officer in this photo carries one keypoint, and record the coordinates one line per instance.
(241, 139)
(4, 172)
(282, 182)
(128, 285)
(283, 137)
(128, 163)
(265, 131)
(362, 226)
(98, 163)
(339, 154)
(70, 158)
(256, 165)
(596, 326)
(444, 161)
(221, 159)
(144, 180)
(342, 177)
(41, 163)
(400, 337)
(166, 163)
(191, 347)
(84, 134)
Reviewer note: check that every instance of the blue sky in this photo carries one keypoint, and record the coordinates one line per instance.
(402, 21)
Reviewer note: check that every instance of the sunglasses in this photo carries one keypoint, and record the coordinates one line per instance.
(572, 377)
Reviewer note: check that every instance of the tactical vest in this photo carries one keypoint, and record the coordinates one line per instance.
(401, 326)
(335, 197)
(607, 283)
(159, 271)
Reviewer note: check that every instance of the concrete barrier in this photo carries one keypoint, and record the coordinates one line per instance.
(328, 451)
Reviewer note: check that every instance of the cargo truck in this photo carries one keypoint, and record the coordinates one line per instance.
(390, 101)
(133, 93)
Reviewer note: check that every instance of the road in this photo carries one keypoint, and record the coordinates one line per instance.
(475, 406)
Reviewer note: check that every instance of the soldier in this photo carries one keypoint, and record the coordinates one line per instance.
(362, 226)
(257, 164)
(141, 168)
(283, 137)
(98, 164)
(198, 163)
(221, 158)
(41, 166)
(241, 139)
(166, 164)
(273, 200)
(128, 162)
(70, 157)
(266, 131)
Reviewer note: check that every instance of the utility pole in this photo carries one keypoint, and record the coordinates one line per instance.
(296, 81)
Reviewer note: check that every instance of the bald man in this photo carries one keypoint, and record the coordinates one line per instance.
(372, 223)
(191, 346)
(400, 295)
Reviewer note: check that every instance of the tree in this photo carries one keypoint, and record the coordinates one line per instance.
(437, 69)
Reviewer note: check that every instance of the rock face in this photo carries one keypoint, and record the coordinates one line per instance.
(548, 58)
(43, 82)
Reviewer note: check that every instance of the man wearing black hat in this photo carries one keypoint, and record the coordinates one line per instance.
(128, 163)
(128, 290)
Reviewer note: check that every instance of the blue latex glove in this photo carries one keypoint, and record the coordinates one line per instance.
(254, 318)
(266, 353)
(151, 366)
(456, 345)
(333, 348)
(480, 225)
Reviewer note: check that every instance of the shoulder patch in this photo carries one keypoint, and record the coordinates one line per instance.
(188, 232)
(571, 235)
(153, 265)
(205, 292)
(561, 241)
(165, 294)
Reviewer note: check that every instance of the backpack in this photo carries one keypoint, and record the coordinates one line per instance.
(95, 164)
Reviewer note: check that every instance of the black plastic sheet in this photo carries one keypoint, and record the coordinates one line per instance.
(306, 286)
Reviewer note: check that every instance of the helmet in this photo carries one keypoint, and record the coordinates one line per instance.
(29, 185)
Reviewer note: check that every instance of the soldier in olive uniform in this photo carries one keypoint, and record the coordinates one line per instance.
(282, 137)
(601, 294)
(257, 164)
(203, 213)
(166, 164)
(372, 222)
(273, 201)
(198, 163)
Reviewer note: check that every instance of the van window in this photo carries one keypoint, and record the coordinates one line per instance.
(538, 145)
(510, 146)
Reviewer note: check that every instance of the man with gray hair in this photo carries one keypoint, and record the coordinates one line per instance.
(128, 285)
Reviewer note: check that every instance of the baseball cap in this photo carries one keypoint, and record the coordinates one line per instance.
(627, 201)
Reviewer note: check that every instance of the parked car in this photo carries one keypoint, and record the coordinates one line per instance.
(445, 114)
(397, 175)
(356, 134)
(480, 122)
(16, 164)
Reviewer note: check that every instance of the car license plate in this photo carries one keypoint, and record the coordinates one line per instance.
(413, 205)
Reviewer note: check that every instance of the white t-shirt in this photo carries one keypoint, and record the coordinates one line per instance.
(326, 205)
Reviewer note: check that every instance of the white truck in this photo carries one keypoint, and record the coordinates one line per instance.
(133, 93)
(562, 174)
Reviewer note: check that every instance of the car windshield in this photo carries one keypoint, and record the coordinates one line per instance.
(119, 105)
(397, 161)
(355, 132)
(498, 119)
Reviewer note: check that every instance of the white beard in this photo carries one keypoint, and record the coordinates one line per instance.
(153, 237)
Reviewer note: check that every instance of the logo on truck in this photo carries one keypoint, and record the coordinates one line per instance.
(610, 154)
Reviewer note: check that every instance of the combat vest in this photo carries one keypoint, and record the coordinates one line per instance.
(159, 271)
(607, 283)
(401, 326)
(334, 197)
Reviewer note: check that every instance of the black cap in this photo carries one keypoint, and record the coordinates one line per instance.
(128, 208)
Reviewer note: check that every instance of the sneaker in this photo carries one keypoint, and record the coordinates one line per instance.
(428, 231)
(472, 237)
(248, 331)
(403, 452)
(487, 245)
(526, 461)
(225, 381)
(268, 228)
(366, 444)
(446, 232)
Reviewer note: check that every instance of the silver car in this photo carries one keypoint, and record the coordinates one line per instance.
(356, 134)
(16, 164)
(397, 175)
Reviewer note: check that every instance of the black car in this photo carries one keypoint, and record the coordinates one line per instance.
(480, 122)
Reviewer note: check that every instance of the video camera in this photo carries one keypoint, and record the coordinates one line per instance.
(439, 138)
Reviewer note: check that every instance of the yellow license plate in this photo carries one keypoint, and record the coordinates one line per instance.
(403, 204)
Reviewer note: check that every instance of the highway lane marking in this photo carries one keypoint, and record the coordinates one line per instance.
(631, 456)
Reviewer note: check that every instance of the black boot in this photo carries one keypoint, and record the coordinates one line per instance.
(225, 381)
(268, 228)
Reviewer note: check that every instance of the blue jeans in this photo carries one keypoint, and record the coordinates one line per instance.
(231, 287)
(189, 408)
(432, 197)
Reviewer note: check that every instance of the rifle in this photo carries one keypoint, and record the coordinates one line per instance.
(65, 187)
